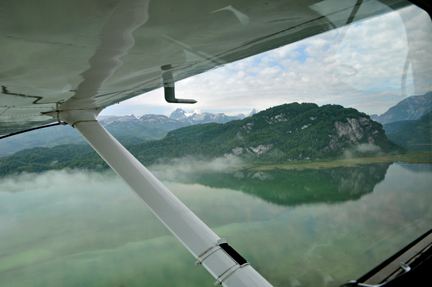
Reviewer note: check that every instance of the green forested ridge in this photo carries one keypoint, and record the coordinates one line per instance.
(413, 135)
(280, 134)
(42, 158)
(290, 132)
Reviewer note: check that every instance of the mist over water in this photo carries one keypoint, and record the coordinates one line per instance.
(181, 169)
(314, 228)
(362, 150)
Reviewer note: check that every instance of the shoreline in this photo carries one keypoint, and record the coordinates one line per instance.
(409, 157)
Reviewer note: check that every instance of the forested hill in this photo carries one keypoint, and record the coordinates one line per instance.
(280, 134)
(413, 135)
(284, 133)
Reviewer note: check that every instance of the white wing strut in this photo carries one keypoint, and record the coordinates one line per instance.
(223, 262)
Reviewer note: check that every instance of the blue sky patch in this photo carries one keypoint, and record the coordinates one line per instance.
(303, 54)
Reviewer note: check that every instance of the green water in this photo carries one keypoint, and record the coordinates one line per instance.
(309, 228)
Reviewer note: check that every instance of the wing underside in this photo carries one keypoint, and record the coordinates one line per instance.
(73, 55)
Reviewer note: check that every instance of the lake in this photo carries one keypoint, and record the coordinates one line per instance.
(297, 228)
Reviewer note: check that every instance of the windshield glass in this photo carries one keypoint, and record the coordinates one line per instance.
(318, 170)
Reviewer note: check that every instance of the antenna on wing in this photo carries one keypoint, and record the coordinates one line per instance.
(36, 128)
(168, 83)
(29, 130)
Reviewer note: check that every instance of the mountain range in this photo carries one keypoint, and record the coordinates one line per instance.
(414, 135)
(197, 117)
(131, 130)
(409, 122)
(127, 129)
(281, 134)
(411, 108)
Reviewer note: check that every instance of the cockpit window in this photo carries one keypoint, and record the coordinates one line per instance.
(314, 209)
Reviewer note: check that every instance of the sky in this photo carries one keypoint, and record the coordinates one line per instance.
(363, 66)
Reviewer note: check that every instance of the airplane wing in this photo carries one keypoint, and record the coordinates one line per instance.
(67, 60)
(65, 55)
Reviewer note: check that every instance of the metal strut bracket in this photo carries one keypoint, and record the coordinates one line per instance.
(210, 251)
(169, 88)
(223, 246)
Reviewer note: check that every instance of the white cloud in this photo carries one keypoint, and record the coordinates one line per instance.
(364, 70)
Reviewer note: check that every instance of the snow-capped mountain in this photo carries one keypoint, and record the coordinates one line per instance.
(182, 117)
(198, 117)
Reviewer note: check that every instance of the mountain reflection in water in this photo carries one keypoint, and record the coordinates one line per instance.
(72, 228)
(293, 187)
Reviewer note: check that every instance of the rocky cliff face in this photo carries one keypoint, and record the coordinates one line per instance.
(352, 132)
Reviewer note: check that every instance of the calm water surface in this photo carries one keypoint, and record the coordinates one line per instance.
(309, 228)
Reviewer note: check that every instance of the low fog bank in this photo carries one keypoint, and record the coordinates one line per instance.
(362, 150)
(179, 168)
(56, 180)
(70, 180)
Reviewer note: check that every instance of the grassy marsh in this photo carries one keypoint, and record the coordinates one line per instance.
(410, 157)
